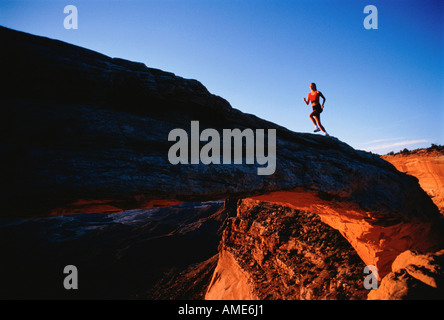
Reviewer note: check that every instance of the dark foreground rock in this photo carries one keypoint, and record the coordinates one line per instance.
(129, 255)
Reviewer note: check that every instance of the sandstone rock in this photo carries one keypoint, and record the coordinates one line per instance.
(83, 132)
(428, 167)
(414, 275)
(230, 281)
(272, 252)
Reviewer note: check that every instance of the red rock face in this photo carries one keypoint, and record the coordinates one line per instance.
(377, 239)
(414, 275)
(270, 251)
(273, 252)
(428, 167)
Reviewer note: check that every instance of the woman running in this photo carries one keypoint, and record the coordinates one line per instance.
(315, 116)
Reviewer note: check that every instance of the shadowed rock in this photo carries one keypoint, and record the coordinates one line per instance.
(428, 166)
(136, 254)
(83, 132)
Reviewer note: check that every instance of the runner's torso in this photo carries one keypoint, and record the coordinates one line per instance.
(314, 97)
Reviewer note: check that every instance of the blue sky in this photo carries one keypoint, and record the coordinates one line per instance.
(384, 87)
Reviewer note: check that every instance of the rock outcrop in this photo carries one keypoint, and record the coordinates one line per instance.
(272, 252)
(415, 275)
(83, 132)
(428, 166)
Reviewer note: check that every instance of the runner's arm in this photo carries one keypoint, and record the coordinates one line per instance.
(322, 96)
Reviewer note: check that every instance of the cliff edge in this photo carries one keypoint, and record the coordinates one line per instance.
(428, 166)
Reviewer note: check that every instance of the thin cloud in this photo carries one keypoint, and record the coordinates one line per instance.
(382, 140)
(401, 144)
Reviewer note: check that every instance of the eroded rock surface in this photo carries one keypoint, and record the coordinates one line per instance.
(272, 252)
(414, 275)
(428, 167)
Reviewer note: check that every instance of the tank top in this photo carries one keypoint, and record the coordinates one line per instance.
(314, 97)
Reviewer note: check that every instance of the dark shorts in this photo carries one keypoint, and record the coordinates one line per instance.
(317, 110)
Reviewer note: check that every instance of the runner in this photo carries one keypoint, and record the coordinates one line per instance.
(315, 116)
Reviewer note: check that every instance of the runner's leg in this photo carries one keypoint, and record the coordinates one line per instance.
(318, 122)
(312, 117)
